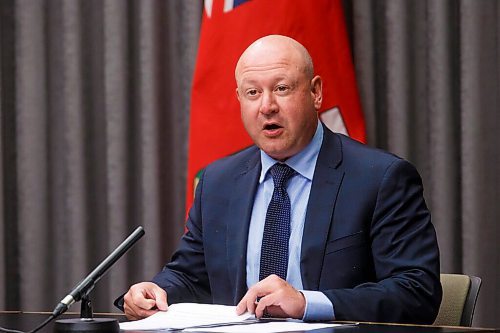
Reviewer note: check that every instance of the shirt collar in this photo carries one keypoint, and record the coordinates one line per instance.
(303, 162)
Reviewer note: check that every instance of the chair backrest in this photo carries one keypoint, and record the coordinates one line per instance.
(459, 299)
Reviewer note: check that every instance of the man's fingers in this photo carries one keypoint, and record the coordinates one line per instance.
(145, 303)
(156, 294)
(262, 288)
(144, 299)
(247, 303)
(131, 311)
(161, 299)
(138, 299)
(138, 308)
(276, 298)
(134, 313)
(271, 305)
(241, 308)
(264, 304)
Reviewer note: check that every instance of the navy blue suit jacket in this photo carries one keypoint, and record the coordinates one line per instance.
(368, 241)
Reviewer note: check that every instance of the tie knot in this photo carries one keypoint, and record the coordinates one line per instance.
(281, 173)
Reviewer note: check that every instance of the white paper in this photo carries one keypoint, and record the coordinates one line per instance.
(182, 315)
(265, 327)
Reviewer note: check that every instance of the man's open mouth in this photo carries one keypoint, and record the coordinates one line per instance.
(270, 127)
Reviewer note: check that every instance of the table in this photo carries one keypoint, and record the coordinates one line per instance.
(26, 321)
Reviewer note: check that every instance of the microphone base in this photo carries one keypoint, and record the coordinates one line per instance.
(94, 325)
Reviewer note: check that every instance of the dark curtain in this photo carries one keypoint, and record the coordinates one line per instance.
(94, 115)
(429, 78)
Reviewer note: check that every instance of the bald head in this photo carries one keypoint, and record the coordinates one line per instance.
(278, 95)
(277, 48)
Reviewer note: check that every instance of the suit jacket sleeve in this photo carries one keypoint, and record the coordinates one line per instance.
(185, 277)
(405, 256)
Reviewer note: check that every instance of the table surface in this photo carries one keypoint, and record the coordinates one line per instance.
(26, 321)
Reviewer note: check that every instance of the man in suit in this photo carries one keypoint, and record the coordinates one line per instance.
(361, 245)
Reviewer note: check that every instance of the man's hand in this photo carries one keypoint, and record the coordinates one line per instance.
(144, 299)
(276, 298)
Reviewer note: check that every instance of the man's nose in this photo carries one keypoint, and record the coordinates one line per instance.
(268, 105)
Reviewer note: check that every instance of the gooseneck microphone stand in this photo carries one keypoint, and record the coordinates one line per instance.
(87, 322)
(81, 293)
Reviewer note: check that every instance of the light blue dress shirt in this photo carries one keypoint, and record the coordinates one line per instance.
(318, 306)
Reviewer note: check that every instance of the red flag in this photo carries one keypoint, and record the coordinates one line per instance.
(228, 28)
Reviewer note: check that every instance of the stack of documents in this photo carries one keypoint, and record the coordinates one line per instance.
(184, 315)
(194, 317)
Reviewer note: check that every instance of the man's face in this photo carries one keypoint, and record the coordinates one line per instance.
(278, 100)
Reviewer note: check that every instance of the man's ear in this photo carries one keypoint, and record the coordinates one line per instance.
(317, 91)
(237, 94)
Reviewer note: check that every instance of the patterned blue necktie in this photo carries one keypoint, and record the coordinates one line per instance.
(274, 253)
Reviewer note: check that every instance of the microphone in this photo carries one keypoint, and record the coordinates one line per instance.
(82, 289)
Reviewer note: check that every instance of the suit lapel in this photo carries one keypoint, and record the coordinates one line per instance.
(326, 183)
(240, 209)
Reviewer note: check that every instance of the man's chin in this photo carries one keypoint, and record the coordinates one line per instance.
(276, 153)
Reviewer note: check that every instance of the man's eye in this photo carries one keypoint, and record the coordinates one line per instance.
(281, 88)
(252, 92)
